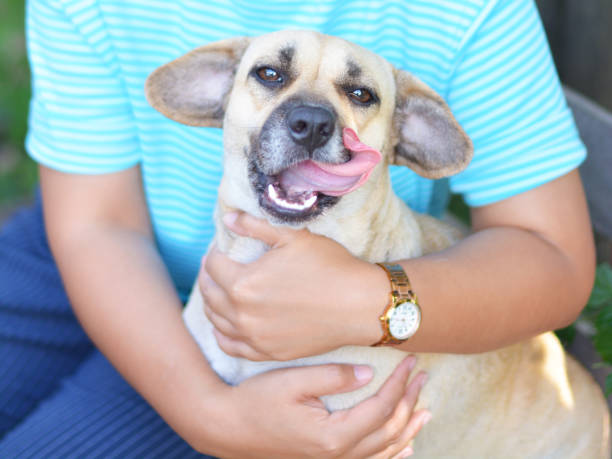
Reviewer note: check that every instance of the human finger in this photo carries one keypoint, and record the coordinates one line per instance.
(312, 382)
(246, 225)
(216, 302)
(220, 323)
(397, 432)
(237, 348)
(414, 389)
(222, 269)
(370, 415)
(416, 423)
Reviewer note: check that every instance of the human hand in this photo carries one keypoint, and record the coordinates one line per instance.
(279, 414)
(307, 295)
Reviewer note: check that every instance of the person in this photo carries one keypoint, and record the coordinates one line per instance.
(127, 199)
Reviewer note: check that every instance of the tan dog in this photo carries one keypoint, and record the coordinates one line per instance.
(283, 100)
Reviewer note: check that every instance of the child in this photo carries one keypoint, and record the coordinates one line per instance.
(127, 199)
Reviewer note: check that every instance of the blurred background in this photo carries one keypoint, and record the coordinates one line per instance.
(580, 36)
(17, 172)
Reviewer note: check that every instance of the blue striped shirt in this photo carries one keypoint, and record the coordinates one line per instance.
(488, 58)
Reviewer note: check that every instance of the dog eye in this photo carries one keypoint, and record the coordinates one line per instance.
(269, 74)
(361, 96)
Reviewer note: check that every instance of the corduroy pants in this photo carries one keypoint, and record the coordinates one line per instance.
(59, 396)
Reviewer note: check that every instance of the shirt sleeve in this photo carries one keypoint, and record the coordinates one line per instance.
(506, 94)
(81, 120)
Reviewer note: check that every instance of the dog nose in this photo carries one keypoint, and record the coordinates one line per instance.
(310, 126)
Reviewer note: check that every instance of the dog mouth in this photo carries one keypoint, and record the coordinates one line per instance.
(286, 201)
(291, 200)
(305, 189)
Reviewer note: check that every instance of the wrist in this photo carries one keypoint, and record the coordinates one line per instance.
(212, 422)
(373, 296)
(402, 316)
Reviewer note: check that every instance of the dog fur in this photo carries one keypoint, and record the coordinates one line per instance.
(529, 400)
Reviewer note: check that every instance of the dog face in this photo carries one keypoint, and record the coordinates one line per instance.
(285, 101)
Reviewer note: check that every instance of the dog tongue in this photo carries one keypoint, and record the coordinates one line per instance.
(333, 179)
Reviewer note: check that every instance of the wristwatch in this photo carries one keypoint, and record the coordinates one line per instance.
(402, 315)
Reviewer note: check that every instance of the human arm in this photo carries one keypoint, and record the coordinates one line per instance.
(528, 267)
(99, 233)
(531, 246)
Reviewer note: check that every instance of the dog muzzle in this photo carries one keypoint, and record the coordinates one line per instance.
(311, 177)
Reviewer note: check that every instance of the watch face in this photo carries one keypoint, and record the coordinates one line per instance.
(404, 320)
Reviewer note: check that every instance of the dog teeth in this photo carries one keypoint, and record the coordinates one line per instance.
(310, 201)
(292, 205)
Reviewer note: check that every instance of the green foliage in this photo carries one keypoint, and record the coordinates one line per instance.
(566, 335)
(602, 291)
(459, 208)
(17, 171)
(599, 311)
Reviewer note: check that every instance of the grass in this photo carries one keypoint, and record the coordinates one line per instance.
(17, 171)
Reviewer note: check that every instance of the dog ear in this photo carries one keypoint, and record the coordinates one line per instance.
(429, 139)
(194, 88)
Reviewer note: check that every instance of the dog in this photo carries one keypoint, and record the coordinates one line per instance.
(291, 99)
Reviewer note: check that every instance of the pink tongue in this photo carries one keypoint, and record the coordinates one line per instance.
(333, 179)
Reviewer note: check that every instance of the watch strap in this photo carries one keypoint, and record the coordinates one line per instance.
(401, 290)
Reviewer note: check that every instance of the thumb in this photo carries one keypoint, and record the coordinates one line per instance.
(319, 380)
(246, 225)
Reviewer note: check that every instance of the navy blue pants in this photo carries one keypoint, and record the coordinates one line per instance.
(59, 396)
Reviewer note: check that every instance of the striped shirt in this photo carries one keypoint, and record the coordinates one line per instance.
(488, 58)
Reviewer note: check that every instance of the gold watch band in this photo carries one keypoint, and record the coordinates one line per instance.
(401, 290)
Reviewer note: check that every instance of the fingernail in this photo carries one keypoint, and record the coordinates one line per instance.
(230, 218)
(363, 373)
(407, 452)
(426, 418)
(411, 362)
